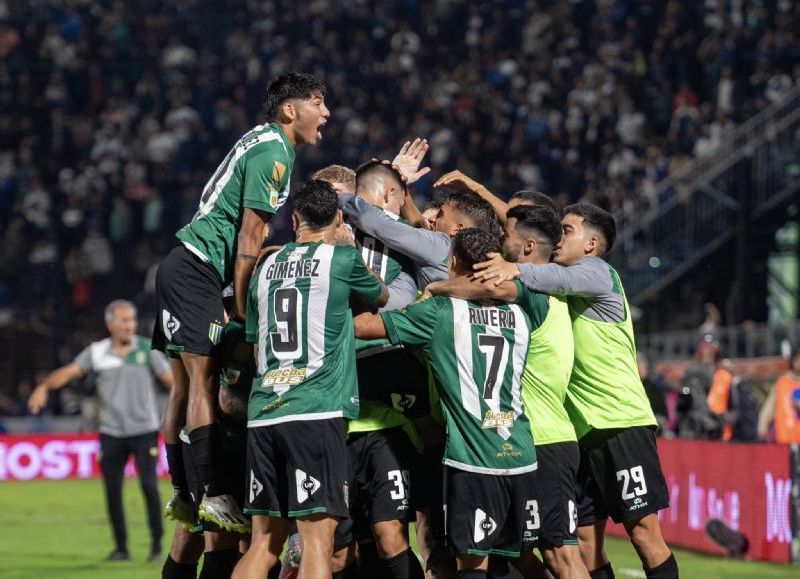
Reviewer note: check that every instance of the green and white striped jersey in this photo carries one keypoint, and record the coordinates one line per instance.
(255, 174)
(384, 262)
(477, 354)
(299, 317)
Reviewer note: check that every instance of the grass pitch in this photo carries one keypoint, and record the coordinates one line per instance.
(59, 530)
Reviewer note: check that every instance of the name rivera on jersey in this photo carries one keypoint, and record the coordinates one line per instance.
(499, 319)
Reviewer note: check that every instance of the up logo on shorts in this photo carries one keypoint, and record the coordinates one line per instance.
(573, 516)
(484, 526)
(307, 485)
(169, 324)
(255, 486)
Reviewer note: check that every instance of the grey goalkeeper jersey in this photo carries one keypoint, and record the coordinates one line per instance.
(591, 285)
(429, 250)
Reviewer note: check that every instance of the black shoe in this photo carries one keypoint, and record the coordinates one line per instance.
(119, 556)
(155, 557)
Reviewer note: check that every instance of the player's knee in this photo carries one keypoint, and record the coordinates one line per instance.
(343, 557)
(391, 538)
(644, 532)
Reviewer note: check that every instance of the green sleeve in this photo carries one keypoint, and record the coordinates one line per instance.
(251, 315)
(534, 304)
(266, 173)
(414, 325)
(362, 281)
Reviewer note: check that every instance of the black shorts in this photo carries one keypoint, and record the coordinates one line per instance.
(381, 490)
(620, 475)
(189, 306)
(297, 469)
(556, 505)
(427, 473)
(486, 513)
(232, 467)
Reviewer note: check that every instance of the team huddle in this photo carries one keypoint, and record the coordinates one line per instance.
(469, 367)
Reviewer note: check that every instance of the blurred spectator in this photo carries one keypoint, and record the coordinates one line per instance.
(711, 323)
(655, 392)
(781, 409)
(733, 404)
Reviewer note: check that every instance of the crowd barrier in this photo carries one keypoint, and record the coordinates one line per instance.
(747, 486)
(26, 457)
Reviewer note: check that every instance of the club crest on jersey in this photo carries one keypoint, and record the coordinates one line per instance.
(403, 402)
(498, 419)
(255, 486)
(307, 485)
(215, 332)
(169, 324)
(484, 526)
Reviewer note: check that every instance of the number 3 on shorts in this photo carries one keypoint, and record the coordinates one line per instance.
(533, 522)
(637, 475)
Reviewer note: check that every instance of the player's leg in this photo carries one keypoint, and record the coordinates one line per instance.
(268, 536)
(591, 538)
(221, 554)
(472, 566)
(343, 562)
(113, 456)
(635, 490)
(316, 540)
(145, 452)
(186, 550)
(389, 456)
(592, 515)
(554, 528)
(179, 506)
(657, 559)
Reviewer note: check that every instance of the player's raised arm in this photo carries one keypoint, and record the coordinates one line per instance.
(460, 183)
(472, 289)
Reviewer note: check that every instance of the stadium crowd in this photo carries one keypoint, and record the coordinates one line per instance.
(112, 117)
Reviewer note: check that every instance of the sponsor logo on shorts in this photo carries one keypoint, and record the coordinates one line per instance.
(484, 526)
(307, 485)
(169, 324)
(494, 419)
(255, 486)
(638, 503)
(215, 332)
(403, 402)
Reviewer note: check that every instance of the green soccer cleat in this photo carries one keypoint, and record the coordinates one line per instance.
(179, 509)
(223, 511)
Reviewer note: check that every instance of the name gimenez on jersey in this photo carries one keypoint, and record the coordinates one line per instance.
(298, 268)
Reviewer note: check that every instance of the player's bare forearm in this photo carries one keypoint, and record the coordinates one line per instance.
(472, 289)
(54, 381)
(369, 326)
(411, 212)
(457, 181)
(248, 246)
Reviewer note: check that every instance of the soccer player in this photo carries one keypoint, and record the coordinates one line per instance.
(381, 440)
(457, 181)
(220, 246)
(620, 474)
(125, 369)
(476, 351)
(531, 233)
(300, 321)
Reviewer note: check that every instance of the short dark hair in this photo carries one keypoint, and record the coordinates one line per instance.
(535, 198)
(596, 218)
(291, 85)
(375, 168)
(479, 211)
(471, 245)
(432, 204)
(316, 203)
(537, 219)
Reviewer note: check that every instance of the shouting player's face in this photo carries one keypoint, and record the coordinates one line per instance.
(577, 241)
(310, 116)
(122, 325)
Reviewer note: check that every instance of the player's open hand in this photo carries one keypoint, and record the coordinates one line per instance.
(409, 158)
(497, 269)
(38, 399)
(458, 182)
